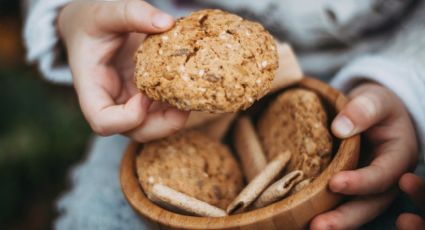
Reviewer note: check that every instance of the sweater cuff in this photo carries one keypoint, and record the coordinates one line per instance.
(403, 79)
(41, 40)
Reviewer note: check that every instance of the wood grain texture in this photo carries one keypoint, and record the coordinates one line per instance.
(294, 212)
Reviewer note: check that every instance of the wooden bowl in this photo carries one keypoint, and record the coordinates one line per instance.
(294, 212)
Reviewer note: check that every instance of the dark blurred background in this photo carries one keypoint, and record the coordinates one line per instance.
(42, 133)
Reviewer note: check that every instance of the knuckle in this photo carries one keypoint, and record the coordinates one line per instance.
(140, 134)
(96, 12)
(135, 118)
(328, 221)
(318, 223)
(126, 12)
(353, 181)
(139, 137)
(175, 127)
(178, 125)
(99, 128)
(130, 10)
(96, 9)
(342, 218)
(335, 220)
(381, 175)
(384, 92)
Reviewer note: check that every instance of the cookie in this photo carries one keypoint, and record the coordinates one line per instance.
(193, 164)
(209, 61)
(297, 121)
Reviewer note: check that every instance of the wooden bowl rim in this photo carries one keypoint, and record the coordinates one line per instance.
(135, 196)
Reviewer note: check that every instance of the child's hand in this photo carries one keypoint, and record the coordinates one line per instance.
(413, 186)
(387, 125)
(100, 38)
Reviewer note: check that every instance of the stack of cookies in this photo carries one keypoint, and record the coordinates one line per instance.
(217, 62)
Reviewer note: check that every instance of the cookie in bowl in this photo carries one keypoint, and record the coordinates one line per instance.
(295, 198)
(297, 121)
(193, 164)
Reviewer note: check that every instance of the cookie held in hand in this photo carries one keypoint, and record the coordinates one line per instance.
(193, 164)
(209, 61)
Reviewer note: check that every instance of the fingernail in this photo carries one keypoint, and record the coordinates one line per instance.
(161, 20)
(343, 126)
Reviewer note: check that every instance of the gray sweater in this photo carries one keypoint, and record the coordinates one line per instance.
(343, 42)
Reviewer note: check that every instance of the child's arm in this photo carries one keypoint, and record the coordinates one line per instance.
(389, 111)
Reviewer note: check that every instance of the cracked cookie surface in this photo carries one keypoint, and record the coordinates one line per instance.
(210, 61)
(191, 163)
(297, 121)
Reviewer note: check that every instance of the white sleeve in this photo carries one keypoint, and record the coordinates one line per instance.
(41, 40)
(400, 67)
(311, 24)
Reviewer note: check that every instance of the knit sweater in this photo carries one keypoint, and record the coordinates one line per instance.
(343, 42)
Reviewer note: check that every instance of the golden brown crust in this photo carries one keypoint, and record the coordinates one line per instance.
(297, 121)
(193, 164)
(210, 61)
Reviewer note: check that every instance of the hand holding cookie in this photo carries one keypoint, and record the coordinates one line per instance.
(100, 39)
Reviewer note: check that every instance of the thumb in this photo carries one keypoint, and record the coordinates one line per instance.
(368, 107)
(130, 16)
(99, 105)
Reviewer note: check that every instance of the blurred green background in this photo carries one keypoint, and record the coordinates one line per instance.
(42, 133)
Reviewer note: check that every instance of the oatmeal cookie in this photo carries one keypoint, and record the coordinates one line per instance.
(193, 164)
(297, 121)
(209, 61)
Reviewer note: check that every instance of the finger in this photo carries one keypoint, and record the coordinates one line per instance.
(96, 96)
(158, 106)
(159, 124)
(106, 118)
(130, 16)
(355, 213)
(129, 90)
(391, 161)
(413, 186)
(363, 111)
(407, 221)
(123, 59)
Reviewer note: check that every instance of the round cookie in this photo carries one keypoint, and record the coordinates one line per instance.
(296, 120)
(191, 163)
(210, 61)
